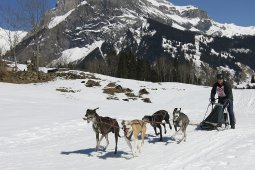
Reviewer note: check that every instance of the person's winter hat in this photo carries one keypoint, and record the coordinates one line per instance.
(220, 76)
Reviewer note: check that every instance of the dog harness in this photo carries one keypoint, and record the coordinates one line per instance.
(153, 119)
(98, 125)
(125, 133)
(130, 136)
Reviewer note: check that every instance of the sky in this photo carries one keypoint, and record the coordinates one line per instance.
(239, 12)
(4, 3)
(52, 3)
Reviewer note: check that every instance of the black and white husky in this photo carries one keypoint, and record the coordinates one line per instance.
(180, 120)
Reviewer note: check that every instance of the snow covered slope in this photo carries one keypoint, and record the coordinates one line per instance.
(4, 40)
(42, 128)
(75, 54)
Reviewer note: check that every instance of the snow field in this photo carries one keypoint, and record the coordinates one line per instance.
(42, 128)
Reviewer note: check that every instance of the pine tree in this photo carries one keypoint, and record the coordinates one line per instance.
(143, 70)
(175, 70)
(112, 61)
(127, 66)
(122, 70)
(253, 79)
(131, 65)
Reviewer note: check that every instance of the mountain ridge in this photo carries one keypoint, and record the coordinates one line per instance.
(149, 28)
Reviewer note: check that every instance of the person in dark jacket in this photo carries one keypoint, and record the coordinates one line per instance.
(224, 91)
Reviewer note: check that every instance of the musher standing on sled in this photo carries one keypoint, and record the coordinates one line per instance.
(224, 91)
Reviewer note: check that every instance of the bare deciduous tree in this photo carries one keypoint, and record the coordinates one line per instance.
(10, 17)
(1, 59)
(24, 15)
(13, 39)
(30, 14)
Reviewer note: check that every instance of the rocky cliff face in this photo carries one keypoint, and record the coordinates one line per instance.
(77, 29)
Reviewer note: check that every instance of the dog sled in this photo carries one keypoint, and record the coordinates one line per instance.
(217, 119)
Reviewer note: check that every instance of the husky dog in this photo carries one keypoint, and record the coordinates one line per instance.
(131, 131)
(180, 120)
(102, 125)
(156, 120)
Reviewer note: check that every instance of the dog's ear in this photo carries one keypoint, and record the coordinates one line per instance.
(180, 109)
(175, 109)
(128, 122)
(96, 109)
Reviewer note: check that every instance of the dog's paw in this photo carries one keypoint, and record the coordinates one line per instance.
(180, 141)
(135, 155)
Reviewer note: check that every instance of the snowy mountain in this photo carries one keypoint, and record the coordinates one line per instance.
(79, 31)
(5, 41)
(180, 17)
(42, 128)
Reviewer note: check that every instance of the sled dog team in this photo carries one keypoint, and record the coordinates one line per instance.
(133, 128)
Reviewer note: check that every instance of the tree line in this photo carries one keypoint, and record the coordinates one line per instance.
(127, 65)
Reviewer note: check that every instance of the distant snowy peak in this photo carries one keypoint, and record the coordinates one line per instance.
(5, 39)
(230, 30)
(194, 19)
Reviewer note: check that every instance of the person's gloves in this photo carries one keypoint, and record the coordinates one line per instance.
(212, 100)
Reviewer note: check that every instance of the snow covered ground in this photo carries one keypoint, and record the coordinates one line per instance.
(41, 128)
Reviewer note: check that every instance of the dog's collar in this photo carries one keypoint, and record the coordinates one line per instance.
(153, 121)
(130, 136)
(125, 133)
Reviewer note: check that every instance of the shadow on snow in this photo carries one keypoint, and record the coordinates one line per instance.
(90, 152)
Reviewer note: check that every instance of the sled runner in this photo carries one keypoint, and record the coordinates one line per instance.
(217, 118)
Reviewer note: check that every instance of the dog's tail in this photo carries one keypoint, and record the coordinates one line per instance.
(116, 131)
